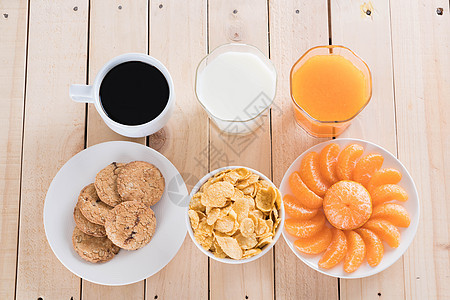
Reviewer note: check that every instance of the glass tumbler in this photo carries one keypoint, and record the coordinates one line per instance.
(329, 128)
(230, 88)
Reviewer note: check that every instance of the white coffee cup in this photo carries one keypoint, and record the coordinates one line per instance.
(91, 94)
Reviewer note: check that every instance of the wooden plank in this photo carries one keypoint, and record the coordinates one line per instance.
(421, 43)
(13, 25)
(243, 22)
(294, 28)
(178, 40)
(116, 27)
(369, 35)
(53, 133)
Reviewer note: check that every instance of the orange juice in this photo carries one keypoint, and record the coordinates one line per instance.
(329, 88)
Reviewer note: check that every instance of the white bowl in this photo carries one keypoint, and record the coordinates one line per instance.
(391, 255)
(127, 266)
(229, 260)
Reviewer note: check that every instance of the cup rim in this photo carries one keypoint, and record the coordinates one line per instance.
(243, 45)
(266, 249)
(369, 97)
(127, 57)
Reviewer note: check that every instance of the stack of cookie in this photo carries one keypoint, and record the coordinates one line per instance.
(114, 212)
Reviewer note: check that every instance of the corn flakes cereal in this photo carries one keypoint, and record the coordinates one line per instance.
(230, 246)
(247, 227)
(235, 214)
(193, 216)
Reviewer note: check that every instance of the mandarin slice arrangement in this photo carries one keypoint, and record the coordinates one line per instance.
(344, 205)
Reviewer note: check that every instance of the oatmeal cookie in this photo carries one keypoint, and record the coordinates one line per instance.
(87, 227)
(142, 181)
(130, 225)
(93, 249)
(106, 184)
(91, 207)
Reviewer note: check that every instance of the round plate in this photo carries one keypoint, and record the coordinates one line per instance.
(127, 266)
(229, 260)
(391, 255)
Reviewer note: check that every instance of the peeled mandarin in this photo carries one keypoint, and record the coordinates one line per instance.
(305, 228)
(327, 163)
(374, 246)
(392, 212)
(309, 173)
(315, 244)
(296, 210)
(366, 167)
(385, 230)
(336, 251)
(347, 205)
(347, 160)
(356, 251)
(304, 195)
(388, 192)
(384, 176)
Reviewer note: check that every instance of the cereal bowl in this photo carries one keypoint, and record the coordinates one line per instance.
(265, 248)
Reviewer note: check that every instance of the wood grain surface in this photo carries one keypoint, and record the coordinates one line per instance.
(113, 31)
(47, 45)
(242, 22)
(13, 25)
(421, 44)
(178, 40)
(369, 35)
(53, 132)
(295, 27)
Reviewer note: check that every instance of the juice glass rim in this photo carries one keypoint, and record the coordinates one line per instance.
(239, 45)
(331, 47)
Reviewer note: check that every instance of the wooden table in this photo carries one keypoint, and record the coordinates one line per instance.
(46, 45)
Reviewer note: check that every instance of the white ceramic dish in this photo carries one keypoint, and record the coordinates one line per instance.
(407, 234)
(127, 266)
(229, 260)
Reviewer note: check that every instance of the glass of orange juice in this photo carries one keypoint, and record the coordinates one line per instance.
(330, 85)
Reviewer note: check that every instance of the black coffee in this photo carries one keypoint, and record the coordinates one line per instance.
(134, 93)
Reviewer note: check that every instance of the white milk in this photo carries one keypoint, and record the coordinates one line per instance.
(236, 86)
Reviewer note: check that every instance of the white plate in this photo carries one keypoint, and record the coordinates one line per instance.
(127, 266)
(391, 255)
(229, 260)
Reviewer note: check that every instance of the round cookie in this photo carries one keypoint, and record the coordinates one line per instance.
(106, 184)
(91, 248)
(130, 225)
(140, 180)
(87, 227)
(91, 207)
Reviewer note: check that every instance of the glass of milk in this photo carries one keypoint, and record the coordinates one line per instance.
(236, 85)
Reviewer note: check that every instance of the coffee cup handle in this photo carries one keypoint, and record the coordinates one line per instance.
(81, 93)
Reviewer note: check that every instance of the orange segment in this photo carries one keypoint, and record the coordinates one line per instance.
(392, 212)
(385, 231)
(347, 205)
(304, 195)
(315, 244)
(366, 167)
(384, 176)
(327, 162)
(309, 173)
(374, 246)
(305, 228)
(346, 161)
(388, 192)
(336, 250)
(296, 210)
(355, 253)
